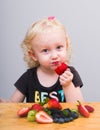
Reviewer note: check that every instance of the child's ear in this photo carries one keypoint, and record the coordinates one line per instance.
(32, 55)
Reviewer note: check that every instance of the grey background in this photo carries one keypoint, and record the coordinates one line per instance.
(82, 21)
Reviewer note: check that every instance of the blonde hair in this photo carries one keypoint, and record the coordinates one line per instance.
(36, 28)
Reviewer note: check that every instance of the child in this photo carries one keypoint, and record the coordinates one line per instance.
(46, 45)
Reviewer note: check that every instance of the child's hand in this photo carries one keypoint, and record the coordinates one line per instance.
(66, 78)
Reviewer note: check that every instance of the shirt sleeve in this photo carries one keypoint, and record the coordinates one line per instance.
(22, 83)
(76, 79)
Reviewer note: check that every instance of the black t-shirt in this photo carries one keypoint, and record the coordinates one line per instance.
(29, 85)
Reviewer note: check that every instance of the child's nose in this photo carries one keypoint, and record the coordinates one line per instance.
(54, 55)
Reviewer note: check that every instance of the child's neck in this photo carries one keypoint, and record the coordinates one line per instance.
(46, 78)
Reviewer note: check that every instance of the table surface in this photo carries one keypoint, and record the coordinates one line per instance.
(10, 121)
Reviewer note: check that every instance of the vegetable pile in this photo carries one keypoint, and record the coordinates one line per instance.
(51, 111)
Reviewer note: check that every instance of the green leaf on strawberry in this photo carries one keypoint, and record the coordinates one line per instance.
(45, 101)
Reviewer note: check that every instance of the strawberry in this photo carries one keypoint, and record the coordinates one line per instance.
(53, 103)
(43, 117)
(89, 108)
(37, 107)
(23, 111)
(60, 69)
(82, 110)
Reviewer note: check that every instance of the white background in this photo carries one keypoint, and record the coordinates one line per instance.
(82, 21)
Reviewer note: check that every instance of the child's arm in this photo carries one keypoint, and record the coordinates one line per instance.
(72, 93)
(16, 97)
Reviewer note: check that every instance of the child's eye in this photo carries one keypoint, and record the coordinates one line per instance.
(45, 50)
(59, 47)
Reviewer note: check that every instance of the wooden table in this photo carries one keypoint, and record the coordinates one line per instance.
(10, 121)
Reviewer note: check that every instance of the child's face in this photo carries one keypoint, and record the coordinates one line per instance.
(50, 48)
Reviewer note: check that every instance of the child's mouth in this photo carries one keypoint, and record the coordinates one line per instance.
(56, 63)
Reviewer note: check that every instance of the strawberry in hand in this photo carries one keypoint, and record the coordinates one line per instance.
(82, 110)
(60, 69)
(53, 103)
